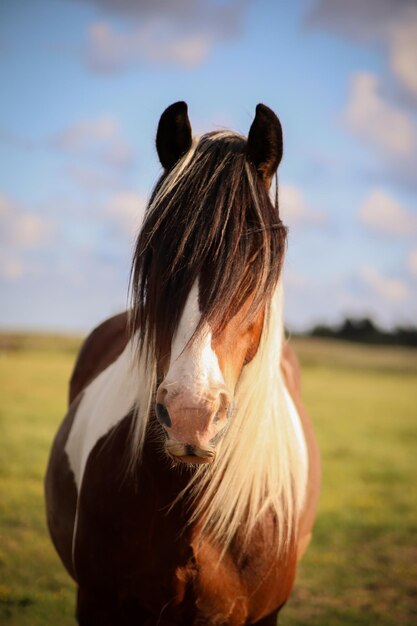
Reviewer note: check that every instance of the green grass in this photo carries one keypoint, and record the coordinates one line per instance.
(361, 567)
(34, 588)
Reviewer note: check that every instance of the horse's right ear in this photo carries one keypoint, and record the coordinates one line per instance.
(264, 147)
(173, 137)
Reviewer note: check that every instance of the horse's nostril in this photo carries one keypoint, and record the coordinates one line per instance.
(225, 410)
(218, 416)
(225, 402)
(163, 415)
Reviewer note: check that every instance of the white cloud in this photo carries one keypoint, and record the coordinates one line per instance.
(312, 299)
(189, 51)
(381, 111)
(12, 269)
(20, 228)
(5, 205)
(388, 289)
(108, 50)
(80, 133)
(402, 42)
(95, 178)
(98, 138)
(180, 33)
(294, 209)
(383, 213)
(23, 236)
(412, 262)
(223, 17)
(29, 229)
(390, 23)
(127, 209)
(384, 125)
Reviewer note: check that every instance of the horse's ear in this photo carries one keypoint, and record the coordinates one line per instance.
(264, 147)
(173, 137)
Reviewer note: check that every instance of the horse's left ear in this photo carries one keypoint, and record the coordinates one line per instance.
(173, 137)
(264, 147)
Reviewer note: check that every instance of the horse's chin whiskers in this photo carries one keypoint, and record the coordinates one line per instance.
(185, 453)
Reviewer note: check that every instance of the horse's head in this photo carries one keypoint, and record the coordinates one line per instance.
(206, 263)
(194, 401)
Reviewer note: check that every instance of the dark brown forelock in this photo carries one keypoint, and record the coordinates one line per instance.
(212, 226)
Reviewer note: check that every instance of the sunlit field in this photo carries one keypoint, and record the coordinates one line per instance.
(361, 567)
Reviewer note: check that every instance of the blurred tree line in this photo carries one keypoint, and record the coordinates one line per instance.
(366, 331)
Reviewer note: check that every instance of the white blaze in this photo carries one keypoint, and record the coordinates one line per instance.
(194, 369)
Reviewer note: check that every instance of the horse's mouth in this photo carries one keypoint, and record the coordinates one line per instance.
(192, 455)
(193, 460)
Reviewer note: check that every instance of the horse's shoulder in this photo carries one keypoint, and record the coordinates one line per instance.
(102, 346)
(244, 584)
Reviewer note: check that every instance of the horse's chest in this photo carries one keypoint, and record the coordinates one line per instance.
(152, 570)
(142, 555)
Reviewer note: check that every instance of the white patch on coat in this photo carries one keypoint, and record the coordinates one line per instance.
(106, 401)
(194, 368)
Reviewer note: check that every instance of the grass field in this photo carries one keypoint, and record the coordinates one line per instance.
(361, 568)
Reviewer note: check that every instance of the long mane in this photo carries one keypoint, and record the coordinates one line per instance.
(210, 219)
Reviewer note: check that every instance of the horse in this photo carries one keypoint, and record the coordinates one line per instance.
(182, 485)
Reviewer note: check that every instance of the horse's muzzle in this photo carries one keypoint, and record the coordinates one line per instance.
(193, 424)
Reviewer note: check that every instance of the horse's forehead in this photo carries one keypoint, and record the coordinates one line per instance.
(186, 341)
(195, 362)
(189, 321)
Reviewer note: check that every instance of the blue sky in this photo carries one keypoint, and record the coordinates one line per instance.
(84, 83)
